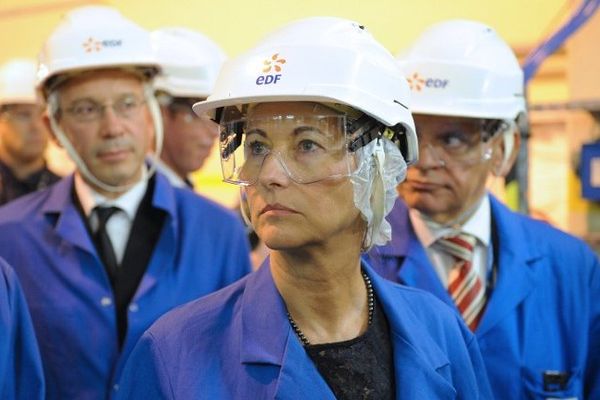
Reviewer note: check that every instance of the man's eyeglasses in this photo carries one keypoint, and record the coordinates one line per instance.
(88, 110)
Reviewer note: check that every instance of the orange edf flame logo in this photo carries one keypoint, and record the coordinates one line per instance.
(91, 45)
(273, 63)
(416, 82)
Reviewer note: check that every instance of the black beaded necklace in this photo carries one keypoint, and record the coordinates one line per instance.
(370, 304)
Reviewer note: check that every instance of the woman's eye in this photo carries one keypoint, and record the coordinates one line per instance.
(257, 148)
(308, 146)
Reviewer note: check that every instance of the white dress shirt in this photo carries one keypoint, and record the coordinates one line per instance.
(119, 225)
(478, 225)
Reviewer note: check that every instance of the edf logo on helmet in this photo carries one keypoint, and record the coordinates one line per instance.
(416, 82)
(96, 45)
(272, 63)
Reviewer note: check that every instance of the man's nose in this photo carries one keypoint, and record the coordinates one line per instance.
(112, 123)
(429, 157)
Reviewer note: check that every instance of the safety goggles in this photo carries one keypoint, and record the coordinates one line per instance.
(307, 148)
(466, 143)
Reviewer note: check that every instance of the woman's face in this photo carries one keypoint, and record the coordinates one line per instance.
(293, 142)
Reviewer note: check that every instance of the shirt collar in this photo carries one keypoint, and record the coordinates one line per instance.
(170, 173)
(128, 201)
(478, 225)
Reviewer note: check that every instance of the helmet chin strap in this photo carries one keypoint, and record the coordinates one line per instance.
(81, 165)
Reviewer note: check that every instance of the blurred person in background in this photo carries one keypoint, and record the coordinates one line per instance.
(23, 136)
(190, 63)
(529, 292)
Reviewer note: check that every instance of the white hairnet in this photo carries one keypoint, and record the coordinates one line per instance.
(381, 168)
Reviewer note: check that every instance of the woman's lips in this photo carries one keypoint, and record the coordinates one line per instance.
(277, 209)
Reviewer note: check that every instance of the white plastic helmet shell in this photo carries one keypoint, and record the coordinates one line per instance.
(93, 37)
(322, 59)
(190, 62)
(463, 68)
(17, 82)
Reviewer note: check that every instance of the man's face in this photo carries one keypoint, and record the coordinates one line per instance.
(104, 115)
(188, 139)
(23, 136)
(454, 163)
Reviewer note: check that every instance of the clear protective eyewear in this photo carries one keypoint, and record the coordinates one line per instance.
(466, 144)
(309, 148)
(89, 110)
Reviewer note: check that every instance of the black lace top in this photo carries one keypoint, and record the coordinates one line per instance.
(361, 368)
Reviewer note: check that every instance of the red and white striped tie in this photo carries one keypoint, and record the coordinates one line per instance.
(464, 285)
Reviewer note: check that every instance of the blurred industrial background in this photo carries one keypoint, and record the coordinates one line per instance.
(563, 93)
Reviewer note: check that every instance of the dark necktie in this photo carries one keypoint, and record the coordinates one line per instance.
(105, 249)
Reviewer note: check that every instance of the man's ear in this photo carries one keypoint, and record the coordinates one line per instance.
(507, 150)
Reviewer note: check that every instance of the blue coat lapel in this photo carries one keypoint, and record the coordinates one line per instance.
(163, 256)
(415, 370)
(517, 255)
(299, 378)
(69, 225)
(268, 341)
(516, 275)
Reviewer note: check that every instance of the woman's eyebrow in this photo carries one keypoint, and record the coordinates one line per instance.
(306, 128)
(257, 131)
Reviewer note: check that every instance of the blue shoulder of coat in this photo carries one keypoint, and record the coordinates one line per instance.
(191, 204)
(205, 317)
(31, 204)
(539, 238)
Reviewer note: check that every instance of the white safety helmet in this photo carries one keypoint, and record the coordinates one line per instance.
(189, 61)
(463, 68)
(334, 61)
(92, 38)
(309, 60)
(17, 82)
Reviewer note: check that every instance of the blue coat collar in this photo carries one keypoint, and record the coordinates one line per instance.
(517, 254)
(69, 225)
(267, 340)
(60, 209)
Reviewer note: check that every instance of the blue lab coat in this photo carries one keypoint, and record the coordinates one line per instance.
(21, 375)
(202, 247)
(238, 344)
(543, 312)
